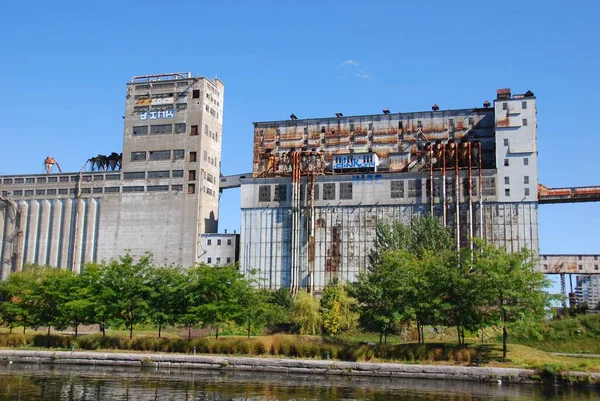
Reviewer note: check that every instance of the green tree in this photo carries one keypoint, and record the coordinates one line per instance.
(216, 295)
(514, 291)
(402, 283)
(129, 284)
(100, 294)
(167, 302)
(424, 234)
(13, 310)
(337, 309)
(24, 292)
(256, 312)
(305, 313)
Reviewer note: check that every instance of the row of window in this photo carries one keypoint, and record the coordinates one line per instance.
(218, 260)
(137, 175)
(64, 178)
(159, 107)
(98, 190)
(507, 182)
(209, 242)
(157, 155)
(398, 190)
(525, 162)
(159, 129)
(212, 111)
(505, 105)
(580, 267)
(213, 99)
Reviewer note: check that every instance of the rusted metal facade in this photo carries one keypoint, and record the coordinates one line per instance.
(308, 219)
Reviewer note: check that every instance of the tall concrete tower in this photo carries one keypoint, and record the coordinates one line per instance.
(171, 165)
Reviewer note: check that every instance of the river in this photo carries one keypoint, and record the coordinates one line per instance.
(79, 383)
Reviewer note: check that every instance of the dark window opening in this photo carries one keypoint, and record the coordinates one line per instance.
(180, 128)
(345, 190)
(160, 155)
(280, 193)
(137, 156)
(161, 129)
(178, 154)
(158, 174)
(329, 191)
(193, 157)
(196, 93)
(397, 189)
(135, 188)
(191, 188)
(141, 130)
(264, 193)
(194, 130)
(157, 188)
(137, 175)
(192, 175)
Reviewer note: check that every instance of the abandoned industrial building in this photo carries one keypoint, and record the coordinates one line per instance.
(311, 205)
(159, 197)
(320, 187)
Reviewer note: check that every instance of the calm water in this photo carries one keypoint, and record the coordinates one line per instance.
(32, 382)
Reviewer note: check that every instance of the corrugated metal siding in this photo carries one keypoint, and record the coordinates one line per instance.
(344, 236)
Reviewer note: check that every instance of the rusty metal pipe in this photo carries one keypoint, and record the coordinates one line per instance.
(445, 212)
(311, 240)
(457, 200)
(470, 199)
(431, 180)
(480, 191)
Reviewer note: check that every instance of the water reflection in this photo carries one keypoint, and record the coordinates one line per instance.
(79, 383)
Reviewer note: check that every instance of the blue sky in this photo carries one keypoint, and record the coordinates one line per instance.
(65, 64)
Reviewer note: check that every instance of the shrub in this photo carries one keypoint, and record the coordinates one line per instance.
(51, 341)
(14, 340)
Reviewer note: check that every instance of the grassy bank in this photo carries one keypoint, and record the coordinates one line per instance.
(577, 335)
(314, 347)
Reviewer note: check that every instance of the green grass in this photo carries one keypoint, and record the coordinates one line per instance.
(578, 335)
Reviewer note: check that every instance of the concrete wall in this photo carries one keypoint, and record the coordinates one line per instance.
(158, 206)
(516, 148)
(59, 232)
(219, 249)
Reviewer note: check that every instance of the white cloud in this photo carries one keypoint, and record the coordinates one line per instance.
(349, 62)
(363, 75)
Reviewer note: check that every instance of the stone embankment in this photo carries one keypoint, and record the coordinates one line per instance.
(286, 366)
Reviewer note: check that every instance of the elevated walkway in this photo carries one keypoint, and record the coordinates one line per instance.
(568, 195)
(569, 264)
